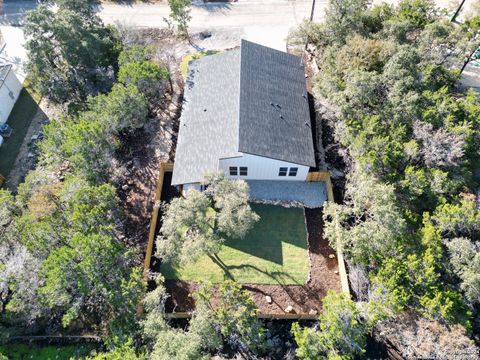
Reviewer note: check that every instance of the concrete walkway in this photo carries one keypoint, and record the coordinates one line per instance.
(293, 193)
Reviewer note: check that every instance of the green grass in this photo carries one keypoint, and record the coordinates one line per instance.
(194, 56)
(274, 251)
(24, 352)
(20, 118)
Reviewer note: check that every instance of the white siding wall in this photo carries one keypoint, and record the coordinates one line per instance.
(6, 102)
(262, 168)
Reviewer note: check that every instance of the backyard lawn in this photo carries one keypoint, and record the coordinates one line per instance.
(273, 252)
(20, 118)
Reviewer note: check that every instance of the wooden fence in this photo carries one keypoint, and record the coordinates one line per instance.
(325, 177)
(313, 177)
(164, 167)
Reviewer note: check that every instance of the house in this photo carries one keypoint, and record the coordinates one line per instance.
(10, 88)
(245, 113)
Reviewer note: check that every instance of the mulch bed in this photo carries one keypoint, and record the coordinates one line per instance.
(305, 299)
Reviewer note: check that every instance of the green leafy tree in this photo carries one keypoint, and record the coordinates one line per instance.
(125, 351)
(180, 15)
(123, 108)
(341, 333)
(369, 225)
(135, 54)
(344, 17)
(150, 78)
(70, 53)
(87, 273)
(417, 12)
(236, 317)
(199, 223)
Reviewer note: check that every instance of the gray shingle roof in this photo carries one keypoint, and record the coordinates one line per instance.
(274, 112)
(209, 123)
(250, 100)
(4, 70)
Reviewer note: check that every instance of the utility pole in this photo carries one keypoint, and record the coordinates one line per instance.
(454, 17)
(311, 19)
(313, 9)
(469, 59)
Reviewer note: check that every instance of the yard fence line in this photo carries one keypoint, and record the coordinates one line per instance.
(164, 167)
(291, 316)
(55, 338)
(325, 177)
(312, 177)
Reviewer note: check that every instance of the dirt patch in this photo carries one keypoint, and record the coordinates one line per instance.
(304, 299)
(137, 170)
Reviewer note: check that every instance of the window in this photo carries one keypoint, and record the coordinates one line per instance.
(293, 172)
(283, 171)
(243, 171)
(233, 171)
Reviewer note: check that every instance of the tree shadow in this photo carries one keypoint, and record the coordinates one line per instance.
(278, 277)
(214, 6)
(97, 6)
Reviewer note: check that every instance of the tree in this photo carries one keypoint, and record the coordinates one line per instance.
(86, 271)
(125, 351)
(439, 148)
(200, 222)
(70, 53)
(369, 225)
(84, 7)
(19, 279)
(236, 317)
(123, 108)
(465, 260)
(416, 337)
(147, 76)
(232, 320)
(417, 12)
(341, 333)
(344, 17)
(135, 54)
(180, 14)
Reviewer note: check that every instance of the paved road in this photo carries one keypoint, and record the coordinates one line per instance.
(264, 21)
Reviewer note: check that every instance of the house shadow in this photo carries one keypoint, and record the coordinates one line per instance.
(277, 225)
(25, 119)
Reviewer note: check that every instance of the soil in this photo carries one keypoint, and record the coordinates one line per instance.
(139, 164)
(305, 299)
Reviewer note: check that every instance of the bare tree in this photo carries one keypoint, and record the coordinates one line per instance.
(438, 147)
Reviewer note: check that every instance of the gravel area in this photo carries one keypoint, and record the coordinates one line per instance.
(292, 193)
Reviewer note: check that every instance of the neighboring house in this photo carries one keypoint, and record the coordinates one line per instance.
(10, 88)
(245, 113)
